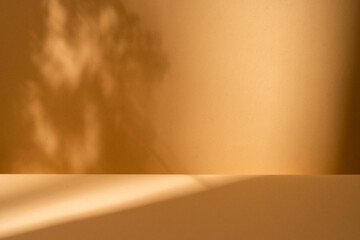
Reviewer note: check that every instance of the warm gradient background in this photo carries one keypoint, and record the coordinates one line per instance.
(139, 86)
(179, 207)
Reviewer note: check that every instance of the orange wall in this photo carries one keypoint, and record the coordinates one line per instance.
(220, 86)
(253, 86)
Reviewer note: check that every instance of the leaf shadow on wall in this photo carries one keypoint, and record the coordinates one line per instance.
(84, 103)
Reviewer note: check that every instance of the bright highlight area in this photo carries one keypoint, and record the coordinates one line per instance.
(29, 202)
